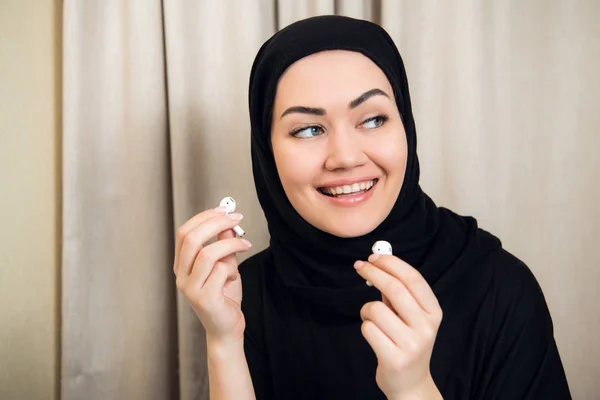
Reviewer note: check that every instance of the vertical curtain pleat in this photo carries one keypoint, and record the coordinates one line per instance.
(361, 9)
(119, 327)
(291, 11)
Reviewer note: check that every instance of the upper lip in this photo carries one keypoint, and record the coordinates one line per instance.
(348, 181)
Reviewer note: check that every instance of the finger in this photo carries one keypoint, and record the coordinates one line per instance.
(379, 342)
(221, 273)
(189, 225)
(228, 234)
(211, 255)
(412, 280)
(402, 301)
(387, 321)
(195, 240)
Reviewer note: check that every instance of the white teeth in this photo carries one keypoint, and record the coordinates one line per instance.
(347, 189)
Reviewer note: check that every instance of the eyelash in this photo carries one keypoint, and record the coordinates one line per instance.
(383, 117)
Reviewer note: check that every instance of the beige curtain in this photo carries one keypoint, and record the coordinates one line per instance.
(156, 130)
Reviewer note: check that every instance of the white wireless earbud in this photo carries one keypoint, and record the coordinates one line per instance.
(229, 204)
(383, 248)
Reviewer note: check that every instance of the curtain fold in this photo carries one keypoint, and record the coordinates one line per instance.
(156, 129)
(119, 329)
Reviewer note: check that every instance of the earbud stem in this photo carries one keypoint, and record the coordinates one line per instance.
(238, 229)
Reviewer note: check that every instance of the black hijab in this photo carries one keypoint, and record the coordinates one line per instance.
(317, 265)
(302, 296)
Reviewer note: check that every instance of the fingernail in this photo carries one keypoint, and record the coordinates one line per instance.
(373, 257)
(219, 210)
(369, 283)
(235, 216)
(358, 264)
(246, 242)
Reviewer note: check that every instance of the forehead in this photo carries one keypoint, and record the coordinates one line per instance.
(335, 73)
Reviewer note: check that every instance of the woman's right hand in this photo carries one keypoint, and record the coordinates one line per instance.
(207, 274)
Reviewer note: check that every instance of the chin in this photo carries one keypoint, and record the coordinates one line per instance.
(348, 229)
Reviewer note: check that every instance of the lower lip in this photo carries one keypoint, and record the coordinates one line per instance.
(351, 200)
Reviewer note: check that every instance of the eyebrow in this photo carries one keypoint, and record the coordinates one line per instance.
(321, 111)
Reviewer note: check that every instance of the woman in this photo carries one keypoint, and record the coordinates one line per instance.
(451, 314)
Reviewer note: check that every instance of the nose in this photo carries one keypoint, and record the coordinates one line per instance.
(344, 151)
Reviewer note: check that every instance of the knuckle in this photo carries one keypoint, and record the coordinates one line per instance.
(364, 327)
(439, 314)
(396, 289)
(220, 269)
(204, 256)
(180, 235)
(429, 334)
(436, 315)
(180, 283)
(380, 377)
(193, 239)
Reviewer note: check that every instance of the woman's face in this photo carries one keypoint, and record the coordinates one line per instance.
(338, 141)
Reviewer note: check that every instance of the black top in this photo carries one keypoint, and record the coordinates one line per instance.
(495, 340)
(302, 297)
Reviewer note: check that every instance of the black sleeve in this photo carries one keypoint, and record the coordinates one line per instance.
(522, 360)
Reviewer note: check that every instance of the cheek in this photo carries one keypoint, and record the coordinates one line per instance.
(297, 166)
(390, 153)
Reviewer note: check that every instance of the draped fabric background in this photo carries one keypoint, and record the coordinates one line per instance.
(156, 130)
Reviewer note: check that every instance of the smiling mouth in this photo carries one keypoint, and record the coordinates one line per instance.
(348, 190)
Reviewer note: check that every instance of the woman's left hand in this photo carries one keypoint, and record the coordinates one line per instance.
(401, 328)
